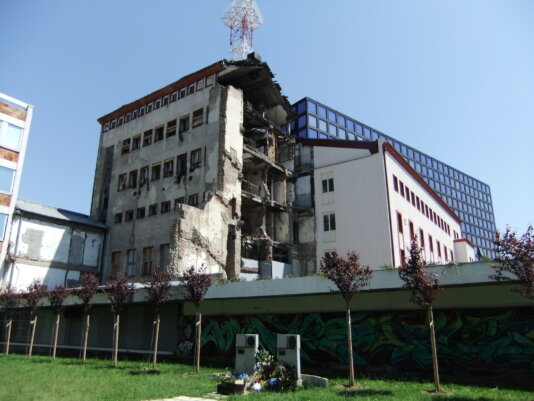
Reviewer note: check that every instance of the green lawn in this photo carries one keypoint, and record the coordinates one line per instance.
(66, 379)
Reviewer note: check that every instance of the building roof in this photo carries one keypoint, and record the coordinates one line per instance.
(38, 209)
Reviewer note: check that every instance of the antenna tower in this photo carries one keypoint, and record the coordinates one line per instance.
(242, 17)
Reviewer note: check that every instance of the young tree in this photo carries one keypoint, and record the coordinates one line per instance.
(117, 292)
(348, 276)
(158, 287)
(196, 282)
(56, 297)
(33, 297)
(89, 287)
(9, 300)
(515, 256)
(424, 289)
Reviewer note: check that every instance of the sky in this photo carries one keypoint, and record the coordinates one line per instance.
(454, 79)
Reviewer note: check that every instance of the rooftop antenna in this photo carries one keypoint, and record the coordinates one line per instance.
(243, 17)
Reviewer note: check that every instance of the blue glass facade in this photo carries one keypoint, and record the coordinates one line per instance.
(468, 197)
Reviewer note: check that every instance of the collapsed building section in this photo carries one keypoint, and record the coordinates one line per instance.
(197, 173)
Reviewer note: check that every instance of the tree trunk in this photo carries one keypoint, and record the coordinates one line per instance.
(85, 335)
(8, 334)
(56, 334)
(34, 325)
(434, 349)
(156, 338)
(349, 347)
(198, 332)
(116, 339)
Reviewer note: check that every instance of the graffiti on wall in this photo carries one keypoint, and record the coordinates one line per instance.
(496, 338)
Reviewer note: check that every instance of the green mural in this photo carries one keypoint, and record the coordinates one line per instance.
(496, 338)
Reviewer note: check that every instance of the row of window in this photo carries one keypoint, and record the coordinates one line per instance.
(448, 254)
(165, 168)
(152, 210)
(161, 102)
(422, 207)
(10, 136)
(129, 267)
(6, 179)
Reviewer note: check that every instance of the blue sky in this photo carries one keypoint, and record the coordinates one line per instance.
(454, 79)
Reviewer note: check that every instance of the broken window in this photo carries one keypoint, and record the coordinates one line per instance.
(168, 167)
(163, 255)
(140, 213)
(134, 114)
(181, 165)
(130, 262)
(193, 200)
(127, 118)
(118, 218)
(141, 111)
(209, 80)
(153, 209)
(171, 128)
(198, 117)
(115, 264)
(132, 179)
(128, 215)
(147, 138)
(136, 142)
(158, 133)
(125, 146)
(165, 207)
(184, 123)
(147, 261)
(200, 84)
(143, 176)
(196, 158)
(122, 182)
(178, 202)
(156, 171)
(119, 122)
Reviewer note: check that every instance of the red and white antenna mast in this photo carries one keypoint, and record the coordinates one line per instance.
(243, 17)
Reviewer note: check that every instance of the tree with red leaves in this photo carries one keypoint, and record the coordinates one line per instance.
(197, 283)
(515, 257)
(89, 287)
(158, 287)
(57, 297)
(348, 276)
(118, 292)
(33, 297)
(424, 289)
(9, 300)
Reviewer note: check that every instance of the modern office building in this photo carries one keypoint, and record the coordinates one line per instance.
(468, 197)
(15, 121)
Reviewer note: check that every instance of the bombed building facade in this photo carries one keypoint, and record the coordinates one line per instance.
(196, 174)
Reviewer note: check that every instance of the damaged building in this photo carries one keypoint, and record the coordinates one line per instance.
(196, 173)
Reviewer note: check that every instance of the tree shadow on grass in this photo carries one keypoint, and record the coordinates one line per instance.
(144, 371)
(458, 398)
(363, 393)
(41, 360)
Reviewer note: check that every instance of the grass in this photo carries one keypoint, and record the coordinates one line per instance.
(67, 379)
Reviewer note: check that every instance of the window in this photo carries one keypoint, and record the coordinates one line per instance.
(402, 257)
(193, 200)
(122, 182)
(445, 253)
(168, 167)
(327, 182)
(153, 209)
(430, 244)
(165, 101)
(136, 142)
(182, 93)
(191, 89)
(158, 136)
(171, 128)
(209, 80)
(328, 185)
(407, 194)
(128, 215)
(165, 207)
(438, 246)
(147, 138)
(130, 262)
(200, 84)
(143, 176)
(118, 218)
(196, 158)
(125, 146)
(198, 117)
(141, 111)
(399, 223)
(418, 203)
(140, 213)
(115, 264)
(132, 179)
(149, 108)
(147, 261)
(329, 227)
(402, 189)
(181, 165)
(395, 184)
(156, 171)
(422, 238)
(174, 97)
(10, 135)
(412, 232)
(184, 123)
(6, 179)
(178, 202)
